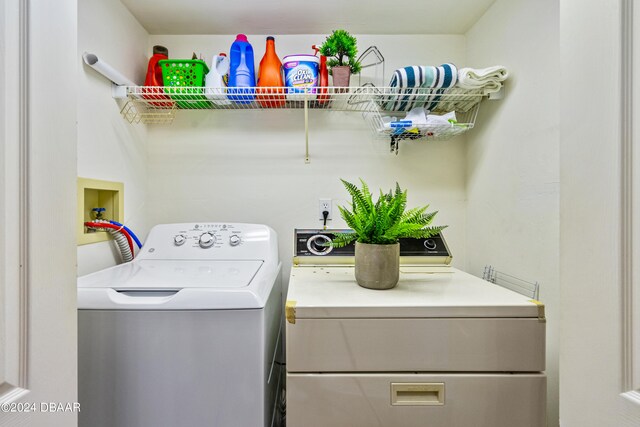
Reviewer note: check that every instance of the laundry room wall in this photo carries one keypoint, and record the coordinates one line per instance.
(248, 166)
(109, 148)
(513, 158)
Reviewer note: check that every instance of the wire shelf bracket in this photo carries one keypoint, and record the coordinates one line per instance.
(523, 287)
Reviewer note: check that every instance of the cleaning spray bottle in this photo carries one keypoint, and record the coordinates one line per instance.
(323, 78)
(270, 77)
(214, 81)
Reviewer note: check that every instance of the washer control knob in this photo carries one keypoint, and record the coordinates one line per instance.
(430, 244)
(206, 240)
(234, 240)
(179, 239)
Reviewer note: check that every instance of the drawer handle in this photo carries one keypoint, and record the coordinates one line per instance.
(417, 394)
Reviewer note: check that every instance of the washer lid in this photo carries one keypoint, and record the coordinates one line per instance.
(170, 274)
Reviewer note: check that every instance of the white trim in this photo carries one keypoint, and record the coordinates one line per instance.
(15, 197)
(626, 200)
(632, 396)
(24, 190)
(9, 393)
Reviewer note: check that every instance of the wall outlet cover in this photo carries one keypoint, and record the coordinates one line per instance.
(325, 205)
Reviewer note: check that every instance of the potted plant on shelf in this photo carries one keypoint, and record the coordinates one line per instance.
(341, 50)
(377, 228)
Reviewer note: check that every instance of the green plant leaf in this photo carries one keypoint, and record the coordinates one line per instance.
(413, 215)
(360, 201)
(386, 220)
(343, 239)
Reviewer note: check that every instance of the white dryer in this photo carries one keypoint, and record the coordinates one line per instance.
(442, 349)
(187, 334)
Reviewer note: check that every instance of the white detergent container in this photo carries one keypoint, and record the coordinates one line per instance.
(214, 81)
(300, 76)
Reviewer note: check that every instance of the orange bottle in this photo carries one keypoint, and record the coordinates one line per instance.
(270, 77)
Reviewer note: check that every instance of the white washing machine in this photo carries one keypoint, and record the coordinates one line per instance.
(442, 349)
(187, 334)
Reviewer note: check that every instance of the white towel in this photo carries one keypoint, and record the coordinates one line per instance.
(489, 79)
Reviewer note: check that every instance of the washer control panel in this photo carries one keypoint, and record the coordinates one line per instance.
(313, 243)
(208, 236)
(208, 241)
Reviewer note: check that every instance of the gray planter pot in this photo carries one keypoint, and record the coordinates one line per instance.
(377, 266)
(341, 75)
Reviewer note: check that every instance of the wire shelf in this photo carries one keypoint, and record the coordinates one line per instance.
(155, 105)
(335, 98)
(203, 98)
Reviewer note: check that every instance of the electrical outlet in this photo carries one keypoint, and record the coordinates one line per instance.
(324, 205)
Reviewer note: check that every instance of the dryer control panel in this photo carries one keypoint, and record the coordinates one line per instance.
(206, 240)
(313, 246)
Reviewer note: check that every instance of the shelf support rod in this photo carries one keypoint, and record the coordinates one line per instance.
(306, 127)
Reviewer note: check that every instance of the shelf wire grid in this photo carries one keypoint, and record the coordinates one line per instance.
(156, 105)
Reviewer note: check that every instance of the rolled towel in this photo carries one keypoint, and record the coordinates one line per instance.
(490, 79)
(445, 77)
(407, 79)
(412, 76)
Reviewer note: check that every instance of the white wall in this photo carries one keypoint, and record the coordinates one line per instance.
(248, 166)
(513, 158)
(108, 147)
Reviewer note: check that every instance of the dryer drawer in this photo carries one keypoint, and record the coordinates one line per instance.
(412, 345)
(460, 400)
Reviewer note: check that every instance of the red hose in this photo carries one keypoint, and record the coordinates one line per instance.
(113, 227)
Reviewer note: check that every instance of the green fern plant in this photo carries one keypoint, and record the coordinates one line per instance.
(385, 221)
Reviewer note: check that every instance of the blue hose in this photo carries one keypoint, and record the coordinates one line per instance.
(133, 236)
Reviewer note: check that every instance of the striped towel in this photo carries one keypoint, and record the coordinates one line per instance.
(409, 81)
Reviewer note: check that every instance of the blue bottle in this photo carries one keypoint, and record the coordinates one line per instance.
(242, 75)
